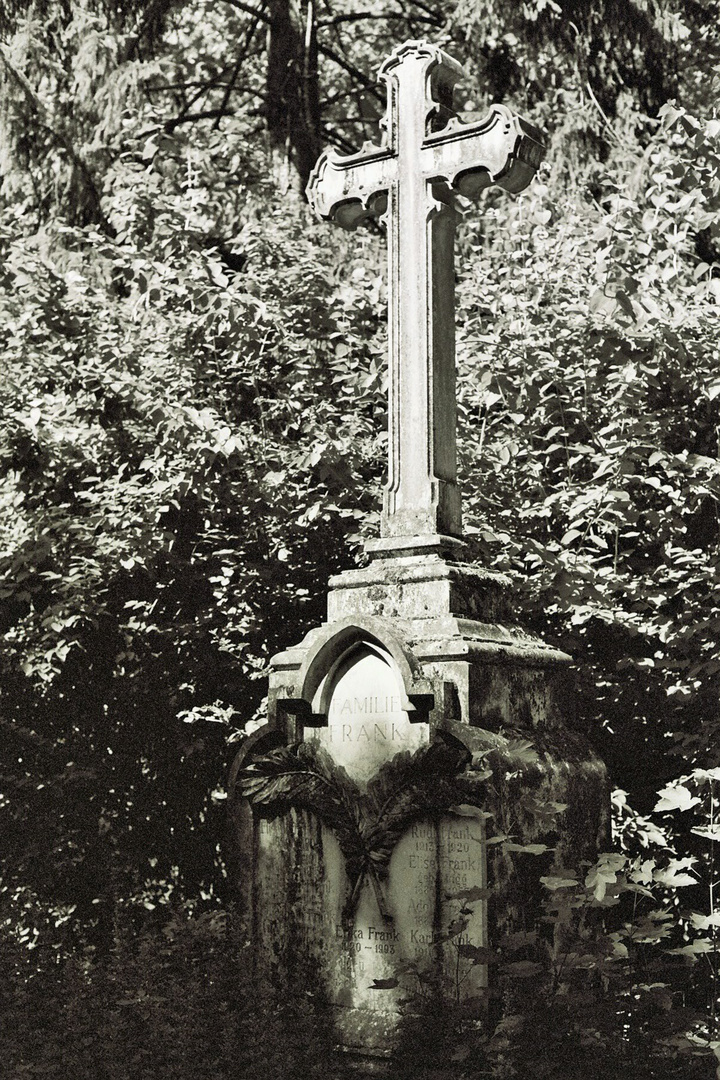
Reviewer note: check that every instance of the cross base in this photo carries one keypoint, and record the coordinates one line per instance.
(389, 547)
(432, 506)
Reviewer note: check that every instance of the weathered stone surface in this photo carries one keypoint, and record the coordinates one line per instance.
(454, 622)
(489, 685)
(300, 930)
(423, 638)
(420, 588)
(428, 156)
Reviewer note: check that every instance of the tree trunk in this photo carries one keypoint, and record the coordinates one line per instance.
(293, 99)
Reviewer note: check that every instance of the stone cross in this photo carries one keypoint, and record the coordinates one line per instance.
(428, 154)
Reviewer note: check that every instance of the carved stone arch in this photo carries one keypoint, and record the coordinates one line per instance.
(334, 648)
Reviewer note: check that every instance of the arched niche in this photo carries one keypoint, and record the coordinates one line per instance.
(370, 717)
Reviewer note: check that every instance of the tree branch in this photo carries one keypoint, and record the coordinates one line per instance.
(338, 140)
(433, 15)
(211, 84)
(61, 140)
(236, 70)
(358, 16)
(356, 73)
(249, 10)
(190, 118)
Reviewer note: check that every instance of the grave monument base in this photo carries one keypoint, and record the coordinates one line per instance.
(418, 687)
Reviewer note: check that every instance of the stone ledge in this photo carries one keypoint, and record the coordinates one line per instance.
(425, 587)
(435, 640)
(426, 568)
(388, 547)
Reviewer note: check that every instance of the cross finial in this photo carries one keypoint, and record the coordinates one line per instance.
(427, 154)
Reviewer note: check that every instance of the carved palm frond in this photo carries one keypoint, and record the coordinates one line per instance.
(305, 776)
(406, 788)
(368, 824)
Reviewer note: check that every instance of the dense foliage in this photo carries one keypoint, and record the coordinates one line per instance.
(192, 441)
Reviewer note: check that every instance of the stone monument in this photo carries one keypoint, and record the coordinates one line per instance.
(392, 816)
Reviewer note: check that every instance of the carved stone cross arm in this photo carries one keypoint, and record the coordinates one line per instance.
(427, 154)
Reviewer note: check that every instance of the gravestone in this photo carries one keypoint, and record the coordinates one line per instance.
(420, 768)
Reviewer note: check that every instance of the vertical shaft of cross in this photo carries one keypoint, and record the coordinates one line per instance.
(421, 497)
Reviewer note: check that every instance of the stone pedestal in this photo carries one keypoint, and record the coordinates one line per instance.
(433, 739)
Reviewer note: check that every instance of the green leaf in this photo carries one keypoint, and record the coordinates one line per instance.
(528, 849)
(709, 832)
(675, 797)
(476, 953)
(467, 810)
(672, 879)
(554, 883)
(475, 892)
(523, 750)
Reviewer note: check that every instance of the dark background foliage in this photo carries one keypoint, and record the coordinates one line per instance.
(193, 439)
